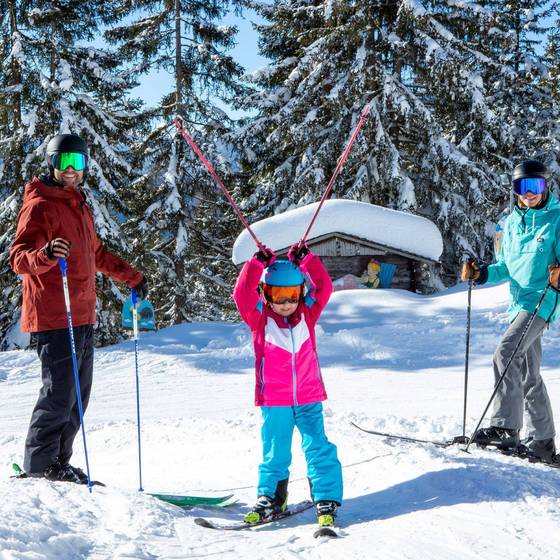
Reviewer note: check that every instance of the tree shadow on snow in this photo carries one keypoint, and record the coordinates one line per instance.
(486, 480)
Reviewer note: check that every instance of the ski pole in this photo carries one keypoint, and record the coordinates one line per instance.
(212, 172)
(513, 354)
(463, 438)
(135, 327)
(363, 117)
(467, 348)
(63, 269)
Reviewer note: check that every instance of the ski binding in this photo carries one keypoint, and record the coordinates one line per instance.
(240, 525)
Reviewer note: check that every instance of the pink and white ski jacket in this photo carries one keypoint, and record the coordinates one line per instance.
(286, 364)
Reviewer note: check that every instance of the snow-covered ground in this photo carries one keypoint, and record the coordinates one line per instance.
(392, 360)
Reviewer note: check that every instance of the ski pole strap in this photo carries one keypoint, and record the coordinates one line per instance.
(212, 172)
(343, 157)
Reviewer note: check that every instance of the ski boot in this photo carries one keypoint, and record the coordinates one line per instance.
(65, 473)
(57, 473)
(326, 512)
(502, 438)
(538, 450)
(265, 508)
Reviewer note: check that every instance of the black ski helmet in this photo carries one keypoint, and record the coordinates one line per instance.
(66, 143)
(530, 168)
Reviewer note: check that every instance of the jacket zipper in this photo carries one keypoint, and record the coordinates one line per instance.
(294, 374)
(319, 369)
(262, 375)
(86, 217)
(523, 221)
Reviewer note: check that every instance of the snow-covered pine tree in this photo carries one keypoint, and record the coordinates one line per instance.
(64, 85)
(428, 144)
(552, 84)
(12, 141)
(553, 57)
(182, 228)
(519, 95)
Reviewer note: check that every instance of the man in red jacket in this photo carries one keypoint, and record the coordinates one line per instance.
(55, 222)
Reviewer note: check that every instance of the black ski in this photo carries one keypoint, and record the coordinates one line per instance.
(325, 532)
(513, 453)
(406, 438)
(240, 525)
(463, 440)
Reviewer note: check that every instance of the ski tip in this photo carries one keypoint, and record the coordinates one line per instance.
(204, 523)
(325, 532)
(17, 469)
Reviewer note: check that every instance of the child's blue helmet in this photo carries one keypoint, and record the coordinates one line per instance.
(283, 273)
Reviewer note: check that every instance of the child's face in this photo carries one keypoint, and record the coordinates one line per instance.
(284, 309)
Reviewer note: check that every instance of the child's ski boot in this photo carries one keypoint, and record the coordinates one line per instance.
(326, 515)
(265, 508)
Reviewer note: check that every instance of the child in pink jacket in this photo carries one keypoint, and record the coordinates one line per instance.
(289, 387)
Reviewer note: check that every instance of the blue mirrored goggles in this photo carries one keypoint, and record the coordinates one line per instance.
(63, 160)
(535, 185)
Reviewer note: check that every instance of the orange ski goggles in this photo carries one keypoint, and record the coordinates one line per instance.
(282, 294)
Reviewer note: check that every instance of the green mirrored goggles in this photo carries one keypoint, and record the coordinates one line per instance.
(62, 161)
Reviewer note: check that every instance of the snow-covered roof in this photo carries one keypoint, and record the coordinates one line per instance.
(391, 228)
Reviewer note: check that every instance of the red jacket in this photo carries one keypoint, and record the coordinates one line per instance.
(49, 212)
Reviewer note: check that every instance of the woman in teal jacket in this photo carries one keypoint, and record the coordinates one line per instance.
(528, 258)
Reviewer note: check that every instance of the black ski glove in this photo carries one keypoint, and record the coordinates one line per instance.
(57, 249)
(142, 289)
(298, 252)
(266, 256)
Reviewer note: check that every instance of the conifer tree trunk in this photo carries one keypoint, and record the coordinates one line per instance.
(178, 62)
(16, 107)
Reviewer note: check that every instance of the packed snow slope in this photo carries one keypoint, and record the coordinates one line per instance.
(392, 361)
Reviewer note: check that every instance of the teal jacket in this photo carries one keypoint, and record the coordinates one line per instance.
(530, 242)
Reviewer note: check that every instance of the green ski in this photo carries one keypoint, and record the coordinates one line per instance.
(191, 501)
(179, 500)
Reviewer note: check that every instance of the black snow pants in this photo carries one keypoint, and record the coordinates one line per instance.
(56, 419)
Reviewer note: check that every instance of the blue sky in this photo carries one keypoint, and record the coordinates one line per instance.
(156, 84)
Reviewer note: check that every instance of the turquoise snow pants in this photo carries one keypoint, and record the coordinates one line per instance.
(323, 467)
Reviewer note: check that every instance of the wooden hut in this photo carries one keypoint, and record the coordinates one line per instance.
(342, 254)
(347, 235)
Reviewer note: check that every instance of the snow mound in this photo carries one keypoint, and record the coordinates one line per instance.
(391, 228)
(392, 361)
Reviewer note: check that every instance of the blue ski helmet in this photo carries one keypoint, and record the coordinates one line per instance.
(283, 273)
